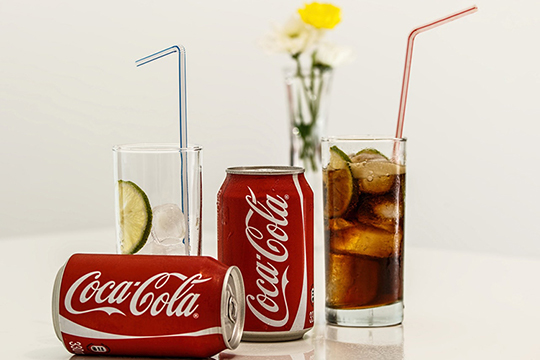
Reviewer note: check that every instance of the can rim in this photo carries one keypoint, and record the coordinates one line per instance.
(233, 335)
(56, 302)
(265, 170)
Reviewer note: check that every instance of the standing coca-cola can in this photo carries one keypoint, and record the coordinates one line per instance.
(265, 227)
(148, 305)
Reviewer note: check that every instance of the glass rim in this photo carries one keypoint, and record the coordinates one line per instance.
(155, 148)
(363, 138)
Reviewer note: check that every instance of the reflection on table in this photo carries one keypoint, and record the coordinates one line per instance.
(329, 343)
(299, 349)
(342, 343)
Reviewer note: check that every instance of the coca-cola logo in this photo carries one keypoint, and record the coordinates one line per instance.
(269, 242)
(142, 296)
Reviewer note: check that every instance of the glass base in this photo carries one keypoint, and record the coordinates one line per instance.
(371, 317)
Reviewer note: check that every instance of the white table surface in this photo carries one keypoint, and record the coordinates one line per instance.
(457, 306)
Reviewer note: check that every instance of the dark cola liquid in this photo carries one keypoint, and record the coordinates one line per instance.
(364, 242)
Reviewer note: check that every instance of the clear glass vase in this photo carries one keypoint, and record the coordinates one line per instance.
(308, 97)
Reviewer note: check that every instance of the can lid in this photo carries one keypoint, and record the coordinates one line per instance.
(233, 307)
(265, 170)
(56, 303)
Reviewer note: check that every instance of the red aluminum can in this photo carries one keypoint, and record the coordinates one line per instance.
(148, 305)
(265, 227)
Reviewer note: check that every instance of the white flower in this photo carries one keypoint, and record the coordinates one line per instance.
(332, 55)
(294, 37)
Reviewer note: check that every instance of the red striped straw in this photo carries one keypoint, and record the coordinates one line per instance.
(408, 60)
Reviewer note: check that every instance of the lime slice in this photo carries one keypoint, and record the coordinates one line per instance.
(338, 159)
(376, 173)
(369, 154)
(340, 191)
(135, 217)
(375, 169)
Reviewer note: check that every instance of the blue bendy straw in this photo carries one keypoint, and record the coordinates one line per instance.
(182, 93)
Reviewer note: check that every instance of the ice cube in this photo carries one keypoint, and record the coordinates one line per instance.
(387, 209)
(382, 212)
(362, 239)
(350, 281)
(338, 224)
(339, 278)
(168, 224)
(156, 248)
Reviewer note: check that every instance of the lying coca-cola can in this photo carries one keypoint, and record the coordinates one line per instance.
(265, 227)
(148, 305)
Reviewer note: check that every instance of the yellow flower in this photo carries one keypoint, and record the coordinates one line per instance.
(321, 16)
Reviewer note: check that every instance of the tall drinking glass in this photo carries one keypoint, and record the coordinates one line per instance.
(364, 197)
(158, 199)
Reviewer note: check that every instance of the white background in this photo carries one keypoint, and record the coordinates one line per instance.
(69, 90)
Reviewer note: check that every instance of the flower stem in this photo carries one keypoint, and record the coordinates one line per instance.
(309, 92)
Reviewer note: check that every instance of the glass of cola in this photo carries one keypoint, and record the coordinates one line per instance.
(364, 203)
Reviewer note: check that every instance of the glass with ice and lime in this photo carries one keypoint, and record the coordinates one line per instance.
(364, 200)
(156, 211)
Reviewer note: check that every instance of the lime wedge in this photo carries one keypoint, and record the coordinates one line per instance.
(340, 192)
(376, 173)
(338, 159)
(369, 154)
(135, 217)
(375, 168)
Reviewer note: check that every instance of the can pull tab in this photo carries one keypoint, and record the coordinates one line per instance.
(232, 309)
